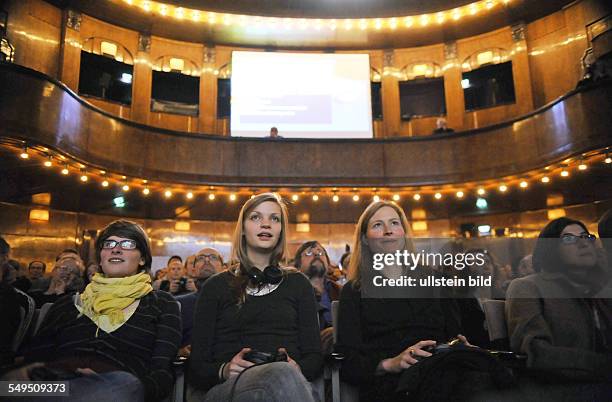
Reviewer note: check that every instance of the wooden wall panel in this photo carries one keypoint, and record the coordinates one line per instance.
(113, 108)
(34, 28)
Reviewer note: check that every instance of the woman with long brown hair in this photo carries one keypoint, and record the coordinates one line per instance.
(256, 305)
(382, 337)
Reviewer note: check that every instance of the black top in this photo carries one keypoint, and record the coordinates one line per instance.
(285, 318)
(371, 330)
(145, 345)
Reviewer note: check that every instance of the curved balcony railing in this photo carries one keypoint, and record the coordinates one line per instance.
(41, 110)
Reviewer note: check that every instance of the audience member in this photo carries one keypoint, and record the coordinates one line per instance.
(525, 267)
(442, 127)
(66, 278)
(553, 318)
(116, 341)
(9, 307)
(274, 133)
(70, 253)
(257, 305)
(37, 270)
(604, 229)
(381, 338)
(175, 281)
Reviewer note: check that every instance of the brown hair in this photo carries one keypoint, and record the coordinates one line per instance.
(239, 248)
(362, 255)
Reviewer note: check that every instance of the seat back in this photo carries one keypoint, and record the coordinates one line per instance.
(26, 310)
(495, 316)
(335, 305)
(44, 309)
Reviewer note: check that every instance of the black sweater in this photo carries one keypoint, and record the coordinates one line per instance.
(370, 330)
(285, 318)
(145, 345)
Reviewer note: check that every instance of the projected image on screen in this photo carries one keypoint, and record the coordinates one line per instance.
(304, 95)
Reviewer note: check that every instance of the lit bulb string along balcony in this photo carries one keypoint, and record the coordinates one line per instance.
(91, 175)
(229, 20)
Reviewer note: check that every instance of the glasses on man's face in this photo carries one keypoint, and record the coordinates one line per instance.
(124, 244)
(211, 257)
(569, 238)
(310, 253)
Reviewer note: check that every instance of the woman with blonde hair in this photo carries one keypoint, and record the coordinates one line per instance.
(382, 337)
(256, 306)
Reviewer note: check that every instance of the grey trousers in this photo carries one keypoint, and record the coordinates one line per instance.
(273, 382)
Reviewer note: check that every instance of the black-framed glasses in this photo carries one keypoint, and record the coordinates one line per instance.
(569, 238)
(123, 244)
(211, 257)
(310, 253)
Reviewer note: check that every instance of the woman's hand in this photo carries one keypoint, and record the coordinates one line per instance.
(290, 360)
(21, 373)
(405, 359)
(237, 364)
(464, 340)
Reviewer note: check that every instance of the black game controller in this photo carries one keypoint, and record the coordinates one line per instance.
(257, 357)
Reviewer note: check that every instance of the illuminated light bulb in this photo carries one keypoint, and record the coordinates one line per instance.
(179, 13)
(481, 191)
(503, 188)
(489, 4)
(125, 187)
(417, 197)
(393, 23)
(212, 18)
(437, 196)
(65, 171)
(129, 2)
(189, 195)
(424, 20)
(195, 16)
(168, 194)
(252, 196)
(163, 10)
(24, 154)
(227, 19)
(84, 178)
(440, 17)
(355, 198)
(102, 171)
(545, 179)
(335, 198)
(105, 183)
(315, 197)
(473, 8)
(564, 173)
(378, 23)
(608, 160)
(396, 197)
(48, 162)
(524, 184)
(211, 196)
(333, 25)
(295, 197)
(456, 14)
(348, 25)
(146, 5)
(376, 198)
(582, 166)
(232, 197)
(408, 21)
(459, 194)
(146, 191)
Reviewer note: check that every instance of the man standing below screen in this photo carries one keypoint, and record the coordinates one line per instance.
(274, 133)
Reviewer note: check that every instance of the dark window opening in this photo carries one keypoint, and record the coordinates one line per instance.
(377, 110)
(422, 97)
(105, 78)
(224, 92)
(175, 93)
(488, 86)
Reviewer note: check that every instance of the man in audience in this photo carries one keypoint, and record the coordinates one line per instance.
(36, 272)
(274, 133)
(442, 127)
(70, 253)
(9, 308)
(207, 262)
(175, 281)
(66, 278)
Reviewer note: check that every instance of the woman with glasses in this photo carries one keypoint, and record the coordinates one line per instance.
(117, 340)
(555, 316)
(257, 305)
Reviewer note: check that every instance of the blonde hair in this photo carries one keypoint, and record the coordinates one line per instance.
(361, 257)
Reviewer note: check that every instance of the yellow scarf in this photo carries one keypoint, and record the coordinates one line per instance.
(105, 299)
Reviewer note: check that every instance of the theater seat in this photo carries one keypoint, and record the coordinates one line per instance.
(495, 317)
(341, 391)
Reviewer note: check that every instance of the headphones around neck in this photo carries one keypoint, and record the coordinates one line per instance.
(271, 275)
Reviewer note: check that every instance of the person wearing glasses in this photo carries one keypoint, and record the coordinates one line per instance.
(117, 340)
(556, 318)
